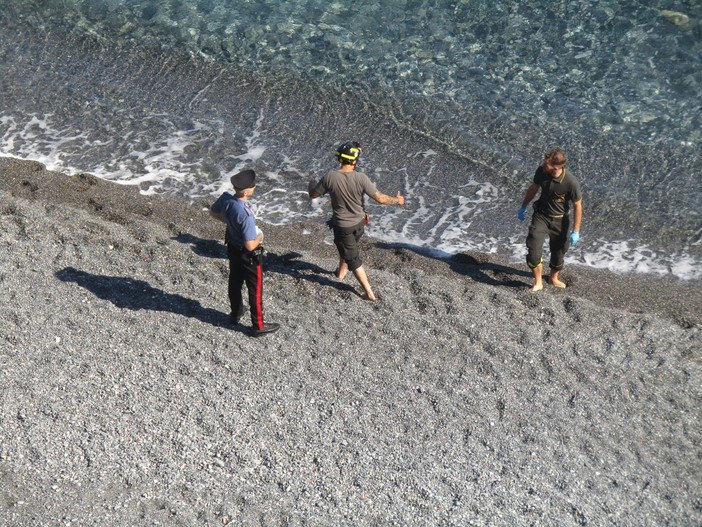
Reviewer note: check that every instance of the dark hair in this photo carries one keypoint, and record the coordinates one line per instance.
(555, 157)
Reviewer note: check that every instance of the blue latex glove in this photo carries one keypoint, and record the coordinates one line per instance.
(522, 214)
(574, 237)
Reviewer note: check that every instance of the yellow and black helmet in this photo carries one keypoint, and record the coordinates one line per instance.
(348, 153)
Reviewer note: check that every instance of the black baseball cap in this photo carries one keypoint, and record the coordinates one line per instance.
(244, 179)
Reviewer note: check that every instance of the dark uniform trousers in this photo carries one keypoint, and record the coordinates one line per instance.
(245, 266)
(556, 228)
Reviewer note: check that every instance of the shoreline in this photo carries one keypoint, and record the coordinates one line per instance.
(676, 299)
(458, 398)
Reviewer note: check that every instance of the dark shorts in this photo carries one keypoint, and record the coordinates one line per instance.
(556, 229)
(346, 240)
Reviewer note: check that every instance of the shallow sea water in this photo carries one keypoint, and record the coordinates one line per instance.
(454, 102)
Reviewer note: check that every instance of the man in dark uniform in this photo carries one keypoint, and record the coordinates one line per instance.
(558, 188)
(244, 250)
(347, 187)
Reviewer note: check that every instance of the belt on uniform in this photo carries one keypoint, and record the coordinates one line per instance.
(554, 216)
(236, 248)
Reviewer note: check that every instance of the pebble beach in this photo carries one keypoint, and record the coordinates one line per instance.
(458, 398)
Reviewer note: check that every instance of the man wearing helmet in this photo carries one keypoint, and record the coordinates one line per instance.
(558, 188)
(347, 187)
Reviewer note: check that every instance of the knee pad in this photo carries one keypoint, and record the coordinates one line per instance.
(533, 265)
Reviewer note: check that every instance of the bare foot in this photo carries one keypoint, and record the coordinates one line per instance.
(341, 273)
(556, 282)
(537, 287)
(369, 296)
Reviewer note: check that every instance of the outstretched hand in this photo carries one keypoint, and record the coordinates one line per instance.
(400, 198)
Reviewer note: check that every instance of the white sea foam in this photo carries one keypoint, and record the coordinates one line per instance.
(173, 160)
(623, 256)
(38, 139)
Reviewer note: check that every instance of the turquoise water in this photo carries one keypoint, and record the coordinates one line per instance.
(454, 102)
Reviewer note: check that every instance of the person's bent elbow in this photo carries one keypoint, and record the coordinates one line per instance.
(251, 245)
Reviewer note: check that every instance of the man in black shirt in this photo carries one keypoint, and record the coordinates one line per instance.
(558, 188)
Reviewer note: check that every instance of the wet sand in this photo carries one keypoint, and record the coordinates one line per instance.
(459, 397)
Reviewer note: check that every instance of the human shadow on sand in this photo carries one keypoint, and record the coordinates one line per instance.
(128, 293)
(478, 266)
(203, 247)
(290, 264)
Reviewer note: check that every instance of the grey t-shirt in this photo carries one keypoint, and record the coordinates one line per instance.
(346, 190)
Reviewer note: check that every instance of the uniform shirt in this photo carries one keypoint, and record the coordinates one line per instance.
(241, 223)
(346, 190)
(556, 193)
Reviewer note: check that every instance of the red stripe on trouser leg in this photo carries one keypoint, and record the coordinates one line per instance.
(259, 295)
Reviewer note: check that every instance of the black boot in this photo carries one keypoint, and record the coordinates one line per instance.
(271, 327)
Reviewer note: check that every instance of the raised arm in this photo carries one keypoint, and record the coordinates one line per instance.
(384, 199)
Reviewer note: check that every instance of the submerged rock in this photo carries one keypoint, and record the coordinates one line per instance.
(679, 19)
(149, 12)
